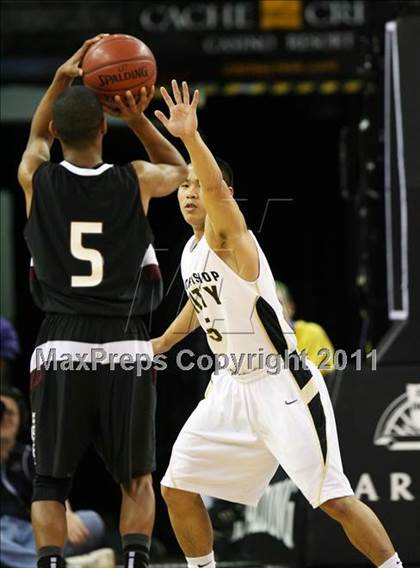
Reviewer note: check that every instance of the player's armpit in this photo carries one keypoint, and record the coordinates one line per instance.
(37, 152)
(238, 251)
(227, 233)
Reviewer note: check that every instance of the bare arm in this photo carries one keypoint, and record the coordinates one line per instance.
(183, 325)
(167, 168)
(40, 139)
(225, 216)
(225, 227)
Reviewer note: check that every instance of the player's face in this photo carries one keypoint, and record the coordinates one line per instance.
(10, 422)
(190, 202)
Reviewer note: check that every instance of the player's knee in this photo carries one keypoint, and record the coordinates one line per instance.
(48, 488)
(176, 498)
(339, 509)
(138, 486)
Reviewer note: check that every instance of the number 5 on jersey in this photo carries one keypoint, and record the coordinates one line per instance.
(77, 229)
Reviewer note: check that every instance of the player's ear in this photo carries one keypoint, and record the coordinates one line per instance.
(52, 130)
(230, 188)
(104, 126)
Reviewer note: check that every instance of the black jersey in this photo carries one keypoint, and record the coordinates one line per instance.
(90, 242)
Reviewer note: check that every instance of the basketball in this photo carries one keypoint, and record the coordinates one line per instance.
(118, 63)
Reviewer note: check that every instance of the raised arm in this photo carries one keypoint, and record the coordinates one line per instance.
(225, 227)
(225, 216)
(40, 139)
(183, 324)
(167, 168)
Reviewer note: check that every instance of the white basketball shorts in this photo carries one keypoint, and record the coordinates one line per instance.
(233, 442)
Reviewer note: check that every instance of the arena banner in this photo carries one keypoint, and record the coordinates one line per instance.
(378, 419)
(242, 40)
(246, 40)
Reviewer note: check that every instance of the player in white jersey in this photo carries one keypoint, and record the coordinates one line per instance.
(253, 418)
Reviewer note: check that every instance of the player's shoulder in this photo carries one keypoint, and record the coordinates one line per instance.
(42, 168)
(45, 170)
(188, 246)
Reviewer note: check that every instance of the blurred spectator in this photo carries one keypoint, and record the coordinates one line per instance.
(9, 342)
(85, 528)
(9, 348)
(310, 336)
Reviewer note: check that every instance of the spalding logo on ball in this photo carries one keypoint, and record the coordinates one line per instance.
(118, 63)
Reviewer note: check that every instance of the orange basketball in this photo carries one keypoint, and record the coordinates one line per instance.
(118, 63)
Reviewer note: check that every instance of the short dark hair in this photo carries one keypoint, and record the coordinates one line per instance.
(77, 115)
(226, 170)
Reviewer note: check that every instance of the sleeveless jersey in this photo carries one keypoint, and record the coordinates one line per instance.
(243, 320)
(90, 242)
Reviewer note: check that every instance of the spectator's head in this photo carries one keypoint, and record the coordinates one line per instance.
(9, 342)
(286, 299)
(13, 413)
(189, 197)
(78, 118)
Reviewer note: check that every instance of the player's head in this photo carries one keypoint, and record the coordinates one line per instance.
(190, 202)
(78, 118)
(227, 172)
(286, 299)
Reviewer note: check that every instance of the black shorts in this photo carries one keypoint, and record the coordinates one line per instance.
(83, 392)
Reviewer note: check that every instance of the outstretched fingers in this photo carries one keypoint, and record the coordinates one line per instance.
(196, 98)
(176, 92)
(167, 98)
(160, 116)
(185, 93)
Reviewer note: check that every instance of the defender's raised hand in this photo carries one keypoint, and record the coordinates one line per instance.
(182, 121)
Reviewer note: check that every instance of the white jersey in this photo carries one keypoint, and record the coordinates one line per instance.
(243, 320)
(252, 419)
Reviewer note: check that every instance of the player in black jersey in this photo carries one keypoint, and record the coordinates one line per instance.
(94, 273)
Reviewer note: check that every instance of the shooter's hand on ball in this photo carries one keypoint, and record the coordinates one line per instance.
(71, 69)
(131, 110)
(182, 121)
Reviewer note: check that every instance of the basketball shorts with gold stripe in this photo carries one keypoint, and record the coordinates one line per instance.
(233, 442)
